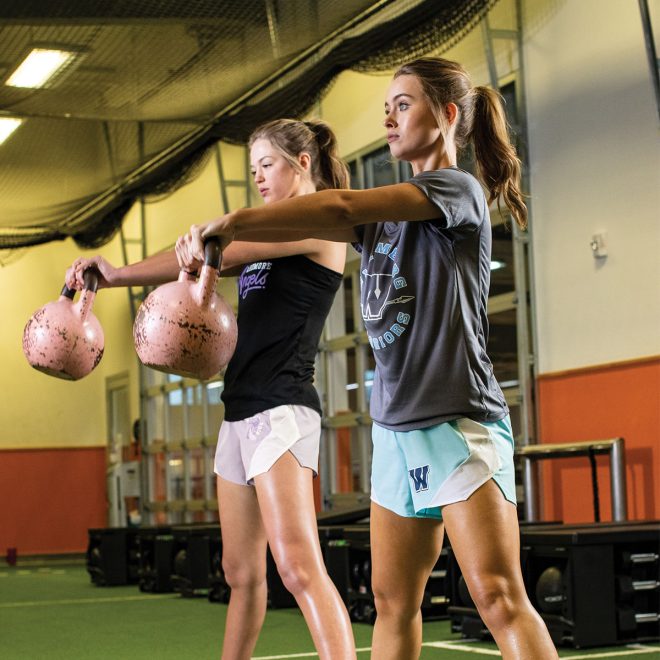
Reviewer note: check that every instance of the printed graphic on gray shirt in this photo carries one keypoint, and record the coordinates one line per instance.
(380, 290)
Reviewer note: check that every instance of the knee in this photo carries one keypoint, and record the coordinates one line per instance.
(242, 574)
(296, 574)
(498, 600)
(392, 603)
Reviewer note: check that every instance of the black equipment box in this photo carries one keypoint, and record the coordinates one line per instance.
(596, 584)
(112, 556)
(347, 552)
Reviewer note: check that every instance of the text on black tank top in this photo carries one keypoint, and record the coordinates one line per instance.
(282, 307)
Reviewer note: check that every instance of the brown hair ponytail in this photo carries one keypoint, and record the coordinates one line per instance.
(481, 121)
(498, 164)
(292, 137)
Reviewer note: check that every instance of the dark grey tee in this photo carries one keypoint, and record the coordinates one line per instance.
(424, 290)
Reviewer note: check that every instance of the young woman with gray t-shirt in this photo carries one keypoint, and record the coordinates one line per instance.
(443, 447)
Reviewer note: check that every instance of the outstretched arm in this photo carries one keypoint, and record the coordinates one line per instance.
(329, 214)
(154, 270)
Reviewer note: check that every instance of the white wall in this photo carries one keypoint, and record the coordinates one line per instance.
(595, 166)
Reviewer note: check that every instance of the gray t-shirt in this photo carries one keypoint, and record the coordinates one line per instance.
(424, 290)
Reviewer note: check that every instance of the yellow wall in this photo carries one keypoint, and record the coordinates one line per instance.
(41, 411)
(594, 163)
(37, 410)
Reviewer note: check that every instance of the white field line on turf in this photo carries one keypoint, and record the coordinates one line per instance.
(83, 601)
(309, 654)
(30, 571)
(462, 645)
(631, 649)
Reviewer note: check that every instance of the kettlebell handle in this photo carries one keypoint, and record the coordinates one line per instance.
(212, 252)
(68, 293)
(90, 282)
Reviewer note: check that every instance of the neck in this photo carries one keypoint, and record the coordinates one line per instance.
(305, 189)
(434, 162)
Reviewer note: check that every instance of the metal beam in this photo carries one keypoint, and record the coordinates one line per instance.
(651, 52)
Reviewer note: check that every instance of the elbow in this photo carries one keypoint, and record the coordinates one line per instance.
(341, 209)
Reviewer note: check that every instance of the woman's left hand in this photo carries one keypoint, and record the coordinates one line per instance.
(194, 239)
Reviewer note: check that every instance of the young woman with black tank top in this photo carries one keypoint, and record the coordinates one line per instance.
(442, 441)
(268, 446)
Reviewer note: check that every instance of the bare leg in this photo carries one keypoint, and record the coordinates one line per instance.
(287, 507)
(244, 565)
(485, 538)
(403, 554)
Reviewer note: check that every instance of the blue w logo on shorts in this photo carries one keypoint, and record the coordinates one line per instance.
(420, 477)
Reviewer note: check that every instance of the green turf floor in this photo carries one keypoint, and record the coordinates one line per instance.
(56, 613)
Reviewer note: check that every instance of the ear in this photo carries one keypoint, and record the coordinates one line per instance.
(305, 161)
(451, 112)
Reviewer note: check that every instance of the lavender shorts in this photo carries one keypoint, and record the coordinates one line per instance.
(253, 445)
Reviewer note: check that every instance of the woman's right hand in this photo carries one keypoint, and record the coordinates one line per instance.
(187, 261)
(74, 274)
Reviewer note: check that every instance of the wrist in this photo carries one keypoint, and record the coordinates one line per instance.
(235, 222)
(115, 277)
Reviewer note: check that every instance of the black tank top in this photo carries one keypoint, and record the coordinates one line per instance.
(282, 307)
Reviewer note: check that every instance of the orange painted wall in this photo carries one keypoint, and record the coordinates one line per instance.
(619, 400)
(49, 498)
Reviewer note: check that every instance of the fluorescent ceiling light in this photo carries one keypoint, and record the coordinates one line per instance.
(496, 265)
(7, 126)
(39, 67)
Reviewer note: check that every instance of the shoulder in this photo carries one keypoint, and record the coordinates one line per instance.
(457, 194)
(449, 180)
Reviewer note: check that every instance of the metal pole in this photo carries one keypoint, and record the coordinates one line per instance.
(208, 456)
(186, 455)
(490, 56)
(363, 432)
(221, 178)
(618, 480)
(651, 53)
(529, 488)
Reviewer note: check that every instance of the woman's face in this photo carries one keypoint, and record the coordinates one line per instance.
(274, 176)
(412, 129)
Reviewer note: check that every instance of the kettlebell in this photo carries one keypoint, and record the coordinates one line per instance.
(64, 339)
(185, 327)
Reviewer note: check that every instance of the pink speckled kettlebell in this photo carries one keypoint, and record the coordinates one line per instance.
(64, 339)
(185, 327)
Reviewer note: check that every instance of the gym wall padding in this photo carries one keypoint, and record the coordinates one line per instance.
(619, 400)
(49, 498)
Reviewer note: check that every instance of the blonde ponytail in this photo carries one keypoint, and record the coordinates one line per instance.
(291, 137)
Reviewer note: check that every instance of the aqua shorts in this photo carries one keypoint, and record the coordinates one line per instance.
(416, 473)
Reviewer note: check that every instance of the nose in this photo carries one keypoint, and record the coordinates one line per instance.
(389, 122)
(258, 175)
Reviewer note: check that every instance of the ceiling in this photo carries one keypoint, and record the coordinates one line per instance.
(156, 82)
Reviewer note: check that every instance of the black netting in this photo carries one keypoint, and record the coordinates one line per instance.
(180, 174)
(103, 227)
(138, 115)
